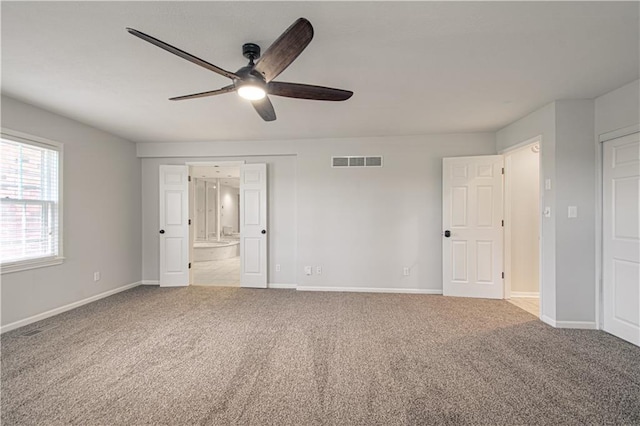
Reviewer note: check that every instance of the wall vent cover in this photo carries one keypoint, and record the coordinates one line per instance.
(356, 161)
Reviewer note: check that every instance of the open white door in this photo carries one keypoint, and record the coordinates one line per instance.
(472, 227)
(621, 237)
(253, 225)
(174, 226)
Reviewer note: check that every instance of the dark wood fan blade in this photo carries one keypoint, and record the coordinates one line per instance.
(285, 49)
(184, 55)
(225, 89)
(265, 109)
(307, 91)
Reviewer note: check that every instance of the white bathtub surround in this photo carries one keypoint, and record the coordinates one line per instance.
(215, 250)
(222, 273)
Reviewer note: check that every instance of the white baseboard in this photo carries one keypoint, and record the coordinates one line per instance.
(528, 294)
(545, 319)
(149, 282)
(371, 290)
(65, 308)
(282, 286)
(582, 325)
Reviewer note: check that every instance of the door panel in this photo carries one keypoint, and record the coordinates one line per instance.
(174, 238)
(253, 225)
(472, 212)
(621, 237)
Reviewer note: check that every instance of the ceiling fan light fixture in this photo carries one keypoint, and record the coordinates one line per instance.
(251, 92)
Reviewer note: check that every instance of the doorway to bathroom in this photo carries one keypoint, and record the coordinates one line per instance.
(522, 218)
(215, 224)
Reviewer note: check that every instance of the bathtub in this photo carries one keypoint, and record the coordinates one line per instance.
(215, 250)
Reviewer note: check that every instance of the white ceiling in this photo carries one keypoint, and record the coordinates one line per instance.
(415, 67)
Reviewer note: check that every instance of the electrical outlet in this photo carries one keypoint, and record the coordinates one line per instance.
(405, 271)
(96, 276)
(277, 267)
(319, 270)
(308, 270)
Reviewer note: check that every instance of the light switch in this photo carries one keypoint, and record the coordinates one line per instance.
(547, 212)
(572, 212)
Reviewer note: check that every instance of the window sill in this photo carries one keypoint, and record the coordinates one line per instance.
(25, 265)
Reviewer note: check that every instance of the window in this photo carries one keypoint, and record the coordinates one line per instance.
(30, 199)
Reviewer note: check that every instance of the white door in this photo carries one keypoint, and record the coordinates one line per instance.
(174, 226)
(472, 227)
(253, 225)
(621, 237)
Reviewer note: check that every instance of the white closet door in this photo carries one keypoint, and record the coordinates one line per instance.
(621, 237)
(472, 241)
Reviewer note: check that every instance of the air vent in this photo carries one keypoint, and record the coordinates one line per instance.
(356, 161)
(37, 331)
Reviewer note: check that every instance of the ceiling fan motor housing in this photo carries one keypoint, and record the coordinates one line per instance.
(248, 76)
(251, 51)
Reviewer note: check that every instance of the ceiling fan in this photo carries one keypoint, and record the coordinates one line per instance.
(255, 81)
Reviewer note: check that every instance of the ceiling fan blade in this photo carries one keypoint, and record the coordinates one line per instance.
(285, 49)
(225, 89)
(307, 91)
(184, 55)
(265, 109)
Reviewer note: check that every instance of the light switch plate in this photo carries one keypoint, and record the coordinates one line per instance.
(572, 212)
(547, 212)
(547, 184)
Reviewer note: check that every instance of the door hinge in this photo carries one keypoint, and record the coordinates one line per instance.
(502, 274)
(189, 221)
(190, 266)
(190, 177)
(502, 222)
(503, 170)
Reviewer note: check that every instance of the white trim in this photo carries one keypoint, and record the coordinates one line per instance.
(371, 290)
(65, 308)
(527, 294)
(150, 282)
(618, 133)
(215, 163)
(282, 286)
(547, 320)
(583, 325)
(536, 139)
(25, 265)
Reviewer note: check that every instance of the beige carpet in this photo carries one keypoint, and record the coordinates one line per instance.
(219, 356)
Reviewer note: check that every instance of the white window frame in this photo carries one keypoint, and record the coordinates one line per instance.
(23, 265)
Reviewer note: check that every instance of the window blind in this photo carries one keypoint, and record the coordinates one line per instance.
(29, 198)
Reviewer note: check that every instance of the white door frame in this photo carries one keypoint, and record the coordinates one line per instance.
(191, 205)
(507, 214)
(602, 138)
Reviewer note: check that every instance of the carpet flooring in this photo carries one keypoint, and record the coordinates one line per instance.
(232, 356)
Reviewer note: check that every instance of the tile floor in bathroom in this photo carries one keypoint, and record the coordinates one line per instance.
(221, 273)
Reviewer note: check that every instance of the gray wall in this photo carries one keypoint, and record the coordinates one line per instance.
(618, 109)
(575, 186)
(362, 226)
(102, 216)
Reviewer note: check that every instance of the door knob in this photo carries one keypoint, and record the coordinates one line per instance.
(162, 231)
(447, 233)
(264, 231)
